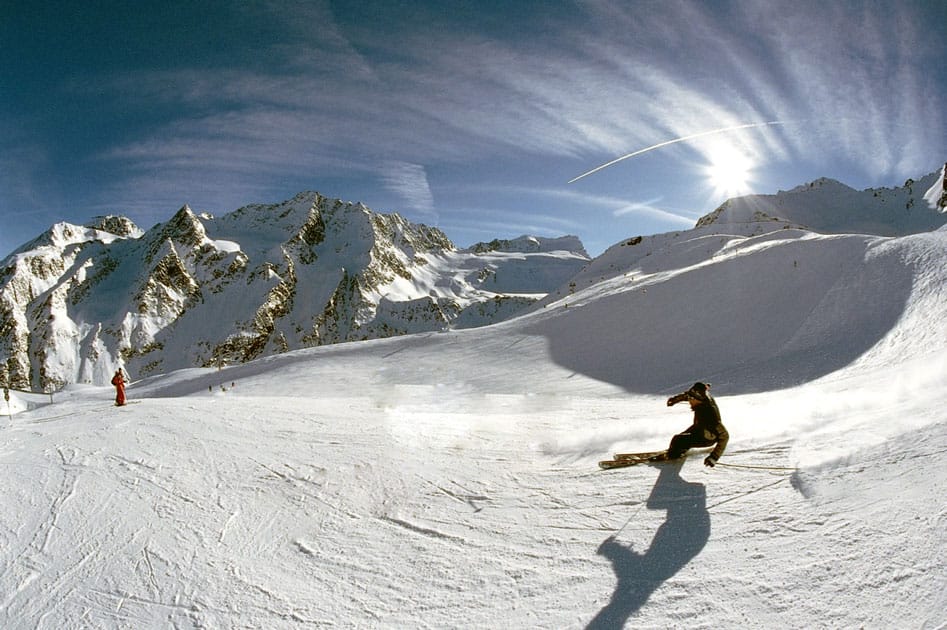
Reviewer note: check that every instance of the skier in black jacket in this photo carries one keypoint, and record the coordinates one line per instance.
(707, 429)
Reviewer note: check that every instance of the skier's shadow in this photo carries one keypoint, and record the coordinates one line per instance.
(678, 540)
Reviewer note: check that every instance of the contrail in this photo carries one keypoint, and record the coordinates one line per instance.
(675, 141)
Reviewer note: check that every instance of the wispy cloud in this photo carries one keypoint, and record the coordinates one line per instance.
(627, 79)
(858, 86)
(409, 182)
(479, 223)
(591, 203)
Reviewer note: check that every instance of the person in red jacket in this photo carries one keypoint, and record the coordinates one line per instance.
(706, 430)
(119, 382)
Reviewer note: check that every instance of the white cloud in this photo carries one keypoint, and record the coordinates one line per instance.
(409, 182)
(628, 79)
(378, 105)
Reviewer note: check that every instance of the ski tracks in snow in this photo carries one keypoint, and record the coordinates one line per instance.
(217, 512)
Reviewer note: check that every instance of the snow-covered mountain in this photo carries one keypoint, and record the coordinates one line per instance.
(828, 206)
(449, 479)
(79, 301)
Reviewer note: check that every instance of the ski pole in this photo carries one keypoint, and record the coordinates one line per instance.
(756, 467)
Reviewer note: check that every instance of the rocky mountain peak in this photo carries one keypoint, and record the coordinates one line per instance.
(528, 244)
(266, 278)
(184, 227)
(118, 225)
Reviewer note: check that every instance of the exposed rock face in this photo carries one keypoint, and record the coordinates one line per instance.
(79, 301)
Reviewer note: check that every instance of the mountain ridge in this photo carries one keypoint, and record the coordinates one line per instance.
(829, 206)
(79, 301)
(199, 291)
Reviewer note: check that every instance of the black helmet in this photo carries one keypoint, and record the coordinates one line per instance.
(698, 390)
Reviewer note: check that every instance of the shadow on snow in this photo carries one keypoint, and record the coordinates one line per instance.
(747, 326)
(677, 541)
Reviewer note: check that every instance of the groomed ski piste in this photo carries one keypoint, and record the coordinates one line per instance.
(449, 479)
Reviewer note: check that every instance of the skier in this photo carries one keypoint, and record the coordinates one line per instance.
(707, 429)
(119, 382)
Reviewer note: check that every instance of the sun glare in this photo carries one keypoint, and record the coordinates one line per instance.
(729, 173)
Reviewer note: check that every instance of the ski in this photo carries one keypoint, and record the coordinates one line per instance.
(619, 463)
(623, 456)
(623, 460)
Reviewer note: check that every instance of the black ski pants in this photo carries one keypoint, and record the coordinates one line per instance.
(694, 437)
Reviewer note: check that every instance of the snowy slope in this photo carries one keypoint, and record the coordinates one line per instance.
(448, 479)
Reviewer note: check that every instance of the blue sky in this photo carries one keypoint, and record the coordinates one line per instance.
(470, 116)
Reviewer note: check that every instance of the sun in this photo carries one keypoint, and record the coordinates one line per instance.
(729, 173)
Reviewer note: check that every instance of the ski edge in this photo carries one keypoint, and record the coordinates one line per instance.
(624, 460)
(608, 464)
(627, 456)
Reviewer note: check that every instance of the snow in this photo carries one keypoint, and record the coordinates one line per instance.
(828, 206)
(229, 247)
(449, 479)
(936, 195)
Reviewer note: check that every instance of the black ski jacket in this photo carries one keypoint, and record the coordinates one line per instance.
(707, 423)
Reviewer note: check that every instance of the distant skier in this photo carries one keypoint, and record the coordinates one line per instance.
(119, 382)
(707, 429)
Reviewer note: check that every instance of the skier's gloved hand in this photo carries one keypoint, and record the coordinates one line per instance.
(710, 461)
